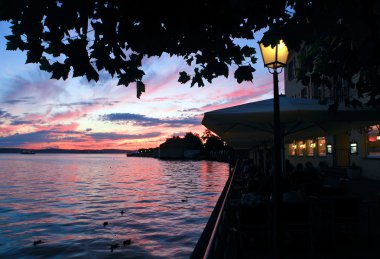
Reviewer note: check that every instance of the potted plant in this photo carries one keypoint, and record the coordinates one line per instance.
(354, 171)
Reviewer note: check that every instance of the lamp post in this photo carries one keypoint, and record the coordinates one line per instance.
(275, 59)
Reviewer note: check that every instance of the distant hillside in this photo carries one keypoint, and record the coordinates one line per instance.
(67, 151)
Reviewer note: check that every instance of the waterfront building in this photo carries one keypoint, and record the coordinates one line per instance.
(346, 141)
(354, 148)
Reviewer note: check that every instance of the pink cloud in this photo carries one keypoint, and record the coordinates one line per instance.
(68, 115)
(8, 129)
(59, 104)
(237, 97)
(58, 127)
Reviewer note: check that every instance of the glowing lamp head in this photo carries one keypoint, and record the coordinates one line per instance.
(275, 57)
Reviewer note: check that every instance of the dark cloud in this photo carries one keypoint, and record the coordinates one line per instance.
(130, 117)
(184, 121)
(3, 114)
(88, 129)
(41, 136)
(143, 120)
(21, 122)
(15, 120)
(96, 101)
(67, 132)
(47, 136)
(20, 139)
(191, 110)
(6, 115)
(13, 101)
(75, 104)
(26, 99)
(119, 136)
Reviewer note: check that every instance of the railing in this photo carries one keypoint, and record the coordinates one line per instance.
(210, 233)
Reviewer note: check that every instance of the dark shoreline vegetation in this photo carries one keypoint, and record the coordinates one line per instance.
(191, 146)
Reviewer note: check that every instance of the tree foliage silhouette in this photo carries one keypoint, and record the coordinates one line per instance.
(212, 141)
(84, 37)
(189, 141)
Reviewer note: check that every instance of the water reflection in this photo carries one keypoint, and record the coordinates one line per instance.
(64, 200)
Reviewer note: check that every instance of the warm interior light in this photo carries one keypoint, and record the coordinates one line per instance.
(312, 145)
(378, 138)
(302, 146)
(274, 57)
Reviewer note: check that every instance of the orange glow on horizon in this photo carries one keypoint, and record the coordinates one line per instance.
(122, 144)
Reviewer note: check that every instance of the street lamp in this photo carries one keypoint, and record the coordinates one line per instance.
(274, 59)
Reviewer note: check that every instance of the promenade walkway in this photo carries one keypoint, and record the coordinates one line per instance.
(355, 234)
(342, 220)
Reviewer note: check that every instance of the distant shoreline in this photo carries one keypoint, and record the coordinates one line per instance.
(64, 151)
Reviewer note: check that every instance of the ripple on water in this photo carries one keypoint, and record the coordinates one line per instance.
(166, 205)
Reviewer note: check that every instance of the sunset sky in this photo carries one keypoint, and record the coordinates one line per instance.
(38, 112)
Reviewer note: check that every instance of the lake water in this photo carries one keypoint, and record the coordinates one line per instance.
(63, 200)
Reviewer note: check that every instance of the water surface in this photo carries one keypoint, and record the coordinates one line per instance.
(63, 200)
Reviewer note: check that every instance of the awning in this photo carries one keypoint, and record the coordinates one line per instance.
(244, 126)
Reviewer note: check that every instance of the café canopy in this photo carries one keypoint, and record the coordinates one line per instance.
(244, 126)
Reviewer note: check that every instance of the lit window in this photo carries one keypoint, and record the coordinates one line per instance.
(353, 148)
(373, 147)
(321, 146)
(310, 146)
(301, 146)
(292, 149)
